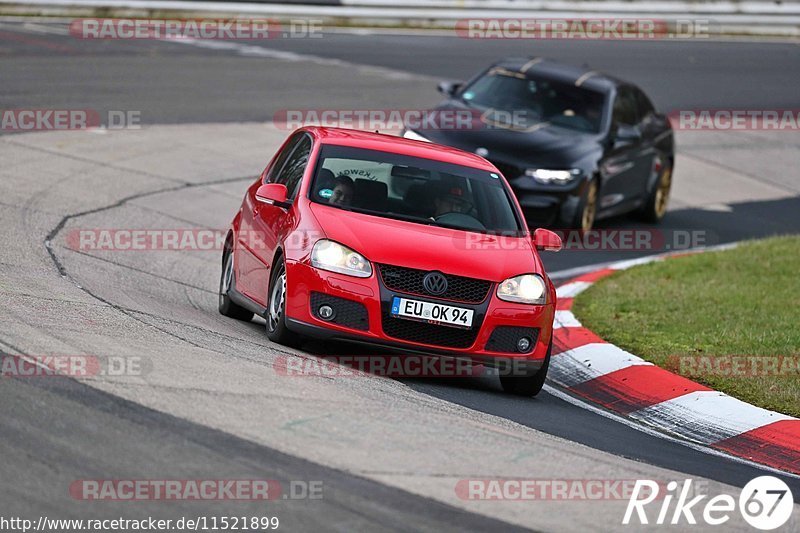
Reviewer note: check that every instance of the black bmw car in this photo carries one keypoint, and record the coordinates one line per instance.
(576, 145)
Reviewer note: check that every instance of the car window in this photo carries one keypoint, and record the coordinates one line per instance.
(292, 172)
(625, 106)
(413, 189)
(643, 105)
(531, 100)
(280, 160)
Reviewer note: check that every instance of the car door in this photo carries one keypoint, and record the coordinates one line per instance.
(624, 168)
(652, 128)
(262, 224)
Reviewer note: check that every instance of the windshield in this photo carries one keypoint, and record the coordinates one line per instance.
(417, 190)
(531, 101)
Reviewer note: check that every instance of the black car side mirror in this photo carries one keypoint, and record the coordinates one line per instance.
(449, 88)
(626, 135)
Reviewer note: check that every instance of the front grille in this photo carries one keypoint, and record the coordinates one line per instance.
(424, 333)
(509, 171)
(459, 289)
(348, 313)
(504, 338)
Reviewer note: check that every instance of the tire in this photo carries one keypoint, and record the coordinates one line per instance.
(226, 280)
(656, 206)
(530, 385)
(276, 309)
(587, 210)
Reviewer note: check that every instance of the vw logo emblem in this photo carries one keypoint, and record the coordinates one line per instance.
(483, 152)
(435, 283)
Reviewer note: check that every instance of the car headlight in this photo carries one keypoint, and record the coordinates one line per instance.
(547, 176)
(330, 255)
(414, 136)
(524, 289)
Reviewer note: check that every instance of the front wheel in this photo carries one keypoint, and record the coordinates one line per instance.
(226, 306)
(656, 206)
(529, 385)
(276, 309)
(587, 209)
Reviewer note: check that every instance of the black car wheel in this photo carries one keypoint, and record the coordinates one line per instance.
(656, 206)
(529, 385)
(226, 306)
(276, 308)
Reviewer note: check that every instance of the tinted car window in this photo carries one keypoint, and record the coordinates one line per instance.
(280, 161)
(292, 172)
(643, 105)
(417, 190)
(625, 106)
(535, 99)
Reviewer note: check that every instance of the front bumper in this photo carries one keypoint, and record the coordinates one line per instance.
(369, 319)
(548, 205)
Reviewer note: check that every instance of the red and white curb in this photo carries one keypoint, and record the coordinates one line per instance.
(589, 367)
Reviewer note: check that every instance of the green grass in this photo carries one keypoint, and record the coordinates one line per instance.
(697, 314)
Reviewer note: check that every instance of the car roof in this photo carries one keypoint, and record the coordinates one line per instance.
(564, 72)
(398, 145)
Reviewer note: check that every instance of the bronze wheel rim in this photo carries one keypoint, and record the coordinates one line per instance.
(590, 209)
(662, 192)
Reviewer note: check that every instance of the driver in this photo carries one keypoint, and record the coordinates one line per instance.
(451, 199)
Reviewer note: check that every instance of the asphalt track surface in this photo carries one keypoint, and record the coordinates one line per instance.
(58, 430)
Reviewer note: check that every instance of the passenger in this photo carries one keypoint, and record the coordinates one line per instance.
(342, 191)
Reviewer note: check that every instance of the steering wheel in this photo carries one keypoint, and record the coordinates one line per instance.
(460, 219)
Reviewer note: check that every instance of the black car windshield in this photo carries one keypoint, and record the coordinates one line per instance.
(527, 101)
(422, 191)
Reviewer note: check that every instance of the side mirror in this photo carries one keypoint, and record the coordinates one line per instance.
(546, 240)
(273, 194)
(449, 88)
(626, 135)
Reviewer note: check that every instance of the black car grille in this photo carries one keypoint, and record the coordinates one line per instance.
(459, 289)
(424, 333)
(347, 313)
(509, 171)
(504, 338)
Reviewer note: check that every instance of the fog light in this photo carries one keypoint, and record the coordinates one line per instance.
(325, 312)
(524, 344)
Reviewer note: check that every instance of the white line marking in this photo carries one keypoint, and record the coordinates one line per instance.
(570, 290)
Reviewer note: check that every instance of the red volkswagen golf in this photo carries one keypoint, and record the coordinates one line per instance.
(367, 237)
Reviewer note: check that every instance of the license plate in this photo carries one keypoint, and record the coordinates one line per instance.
(446, 315)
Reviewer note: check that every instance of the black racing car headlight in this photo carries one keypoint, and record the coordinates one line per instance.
(524, 289)
(414, 136)
(553, 177)
(330, 255)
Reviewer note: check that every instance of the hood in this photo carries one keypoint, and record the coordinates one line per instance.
(396, 242)
(548, 146)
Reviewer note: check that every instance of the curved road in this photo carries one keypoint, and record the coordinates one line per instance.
(211, 401)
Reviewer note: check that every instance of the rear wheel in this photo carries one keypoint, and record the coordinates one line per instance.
(529, 385)
(226, 306)
(587, 210)
(656, 206)
(276, 309)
